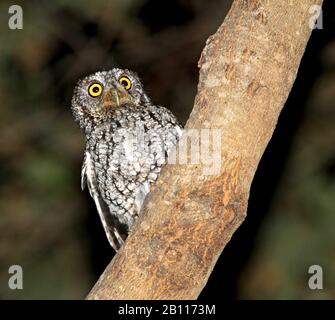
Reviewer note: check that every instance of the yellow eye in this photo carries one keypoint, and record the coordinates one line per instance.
(125, 82)
(95, 89)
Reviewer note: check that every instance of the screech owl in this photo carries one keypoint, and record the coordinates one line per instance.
(128, 140)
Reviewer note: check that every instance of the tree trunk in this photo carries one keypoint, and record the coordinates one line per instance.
(247, 70)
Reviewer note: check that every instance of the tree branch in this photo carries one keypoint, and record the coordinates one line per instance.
(247, 70)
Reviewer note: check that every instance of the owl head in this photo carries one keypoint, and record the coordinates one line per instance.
(98, 95)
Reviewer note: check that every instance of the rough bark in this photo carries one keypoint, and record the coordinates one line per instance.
(247, 70)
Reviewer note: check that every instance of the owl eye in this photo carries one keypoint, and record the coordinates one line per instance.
(95, 89)
(125, 82)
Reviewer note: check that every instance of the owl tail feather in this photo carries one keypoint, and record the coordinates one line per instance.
(116, 232)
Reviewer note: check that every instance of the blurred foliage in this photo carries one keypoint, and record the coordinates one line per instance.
(299, 231)
(44, 214)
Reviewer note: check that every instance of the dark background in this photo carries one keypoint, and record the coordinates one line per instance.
(51, 228)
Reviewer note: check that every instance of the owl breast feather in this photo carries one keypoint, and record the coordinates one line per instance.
(127, 158)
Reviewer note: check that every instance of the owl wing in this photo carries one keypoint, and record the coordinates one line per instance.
(109, 223)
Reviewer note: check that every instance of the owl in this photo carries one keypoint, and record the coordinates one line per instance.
(128, 140)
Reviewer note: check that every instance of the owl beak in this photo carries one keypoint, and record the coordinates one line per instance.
(111, 99)
(114, 98)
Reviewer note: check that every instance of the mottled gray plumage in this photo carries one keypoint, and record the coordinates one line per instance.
(127, 143)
